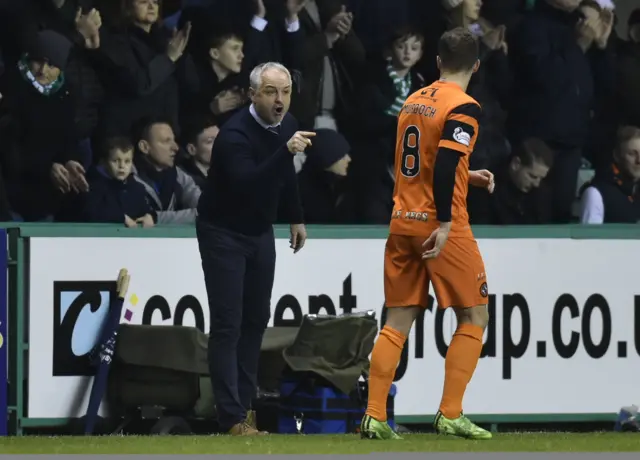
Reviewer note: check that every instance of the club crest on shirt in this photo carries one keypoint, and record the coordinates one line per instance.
(484, 290)
(461, 137)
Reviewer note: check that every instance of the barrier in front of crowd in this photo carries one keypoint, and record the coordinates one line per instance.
(564, 305)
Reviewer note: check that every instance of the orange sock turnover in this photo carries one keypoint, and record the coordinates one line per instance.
(459, 366)
(384, 361)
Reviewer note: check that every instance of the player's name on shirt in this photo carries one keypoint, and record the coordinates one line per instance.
(419, 109)
(410, 215)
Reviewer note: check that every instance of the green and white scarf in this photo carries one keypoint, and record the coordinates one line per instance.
(403, 86)
(51, 88)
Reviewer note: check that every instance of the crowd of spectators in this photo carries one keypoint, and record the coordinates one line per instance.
(109, 109)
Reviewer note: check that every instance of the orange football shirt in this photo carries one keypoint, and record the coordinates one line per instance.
(439, 116)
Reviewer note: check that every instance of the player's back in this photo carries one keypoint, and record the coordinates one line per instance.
(440, 115)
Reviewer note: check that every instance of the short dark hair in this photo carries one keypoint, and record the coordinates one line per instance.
(458, 50)
(111, 144)
(404, 33)
(142, 127)
(217, 39)
(532, 150)
(194, 126)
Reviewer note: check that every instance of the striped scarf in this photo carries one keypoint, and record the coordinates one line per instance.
(403, 86)
(51, 88)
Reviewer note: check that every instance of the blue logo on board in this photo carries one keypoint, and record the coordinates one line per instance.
(80, 309)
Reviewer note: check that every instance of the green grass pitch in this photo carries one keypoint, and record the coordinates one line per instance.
(318, 444)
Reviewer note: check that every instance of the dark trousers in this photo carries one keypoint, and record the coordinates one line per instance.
(238, 273)
(563, 178)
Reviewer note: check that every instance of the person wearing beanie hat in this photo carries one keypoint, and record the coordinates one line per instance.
(329, 152)
(52, 48)
(39, 143)
(327, 161)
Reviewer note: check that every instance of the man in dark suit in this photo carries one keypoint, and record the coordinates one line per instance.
(251, 172)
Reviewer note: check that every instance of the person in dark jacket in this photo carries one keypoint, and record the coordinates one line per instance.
(490, 85)
(391, 78)
(21, 21)
(39, 150)
(321, 180)
(333, 59)
(114, 196)
(552, 55)
(628, 74)
(172, 193)
(613, 196)
(602, 57)
(520, 197)
(226, 50)
(222, 74)
(79, 22)
(198, 137)
(141, 64)
(251, 172)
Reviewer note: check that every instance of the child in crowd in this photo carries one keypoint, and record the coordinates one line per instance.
(114, 195)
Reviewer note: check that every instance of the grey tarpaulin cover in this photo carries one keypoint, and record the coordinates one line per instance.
(178, 348)
(336, 348)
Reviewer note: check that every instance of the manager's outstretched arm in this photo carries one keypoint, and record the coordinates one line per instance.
(234, 153)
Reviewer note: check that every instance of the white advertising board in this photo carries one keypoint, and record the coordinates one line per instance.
(531, 365)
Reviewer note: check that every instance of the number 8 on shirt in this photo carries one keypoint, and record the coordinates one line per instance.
(440, 119)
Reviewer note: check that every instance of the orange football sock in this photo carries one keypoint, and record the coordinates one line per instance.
(384, 361)
(459, 366)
